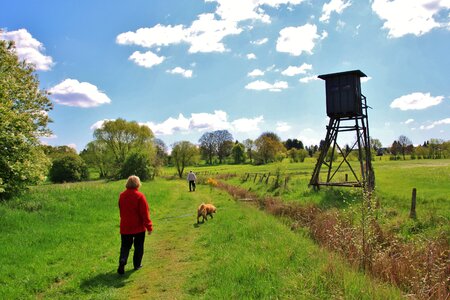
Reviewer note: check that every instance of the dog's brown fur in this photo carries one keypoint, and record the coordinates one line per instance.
(205, 210)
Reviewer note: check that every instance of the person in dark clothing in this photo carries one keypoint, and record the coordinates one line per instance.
(134, 221)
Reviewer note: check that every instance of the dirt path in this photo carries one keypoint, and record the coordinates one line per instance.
(170, 252)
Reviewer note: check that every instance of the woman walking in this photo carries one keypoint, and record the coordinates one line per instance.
(134, 221)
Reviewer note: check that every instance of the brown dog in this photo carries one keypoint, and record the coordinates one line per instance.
(205, 210)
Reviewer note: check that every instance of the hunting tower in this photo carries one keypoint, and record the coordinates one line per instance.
(347, 110)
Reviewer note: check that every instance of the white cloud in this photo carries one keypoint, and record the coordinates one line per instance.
(260, 42)
(416, 17)
(203, 122)
(409, 121)
(241, 10)
(181, 71)
(292, 71)
(251, 56)
(99, 124)
(416, 101)
(337, 6)
(365, 79)
(283, 127)
(260, 85)
(147, 59)
(296, 40)
(247, 125)
(436, 123)
(28, 48)
(255, 72)
(158, 35)
(308, 79)
(72, 145)
(309, 137)
(71, 92)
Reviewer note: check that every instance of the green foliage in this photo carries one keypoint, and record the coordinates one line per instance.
(297, 155)
(238, 153)
(139, 164)
(184, 154)
(68, 168)
(23, 119)
(268, 145)
(114, 142)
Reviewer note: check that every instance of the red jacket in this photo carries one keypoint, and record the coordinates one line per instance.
(134, 212)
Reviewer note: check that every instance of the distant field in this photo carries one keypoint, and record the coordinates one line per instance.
(62, 242)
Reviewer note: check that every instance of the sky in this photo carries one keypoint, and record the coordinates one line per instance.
(186, 67)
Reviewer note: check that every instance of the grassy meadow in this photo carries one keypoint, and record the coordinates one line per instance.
(62, 242)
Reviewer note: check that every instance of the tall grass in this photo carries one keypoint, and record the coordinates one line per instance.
(418, 269)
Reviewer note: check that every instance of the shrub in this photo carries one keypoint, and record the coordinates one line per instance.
(138, 164)
(68, 168)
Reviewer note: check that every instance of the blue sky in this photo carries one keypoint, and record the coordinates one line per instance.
(184, 67)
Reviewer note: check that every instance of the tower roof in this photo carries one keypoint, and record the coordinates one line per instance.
(354, 72)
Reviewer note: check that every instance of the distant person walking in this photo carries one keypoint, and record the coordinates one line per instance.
(134, 221)
(191, 178)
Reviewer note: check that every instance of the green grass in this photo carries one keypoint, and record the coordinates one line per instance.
(62, 242)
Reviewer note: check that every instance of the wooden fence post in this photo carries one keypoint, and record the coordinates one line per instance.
(412, 212)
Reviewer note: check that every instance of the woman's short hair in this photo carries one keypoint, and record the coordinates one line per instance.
(133, 182)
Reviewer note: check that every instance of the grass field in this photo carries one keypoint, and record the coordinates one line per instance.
(62, 241)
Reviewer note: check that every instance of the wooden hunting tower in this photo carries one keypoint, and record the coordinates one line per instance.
(345, 105)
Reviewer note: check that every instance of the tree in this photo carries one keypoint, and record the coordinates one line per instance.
(249, 148)
(208, 146)
(404, 142)
(97, 155)
(294, 143)
(161, 152)
(224, 141)
(238, 153)
(184, 154)
(139, 164)
(268, 144)
(68, 167)
(23, 119)
(121, 137)
(375, 144)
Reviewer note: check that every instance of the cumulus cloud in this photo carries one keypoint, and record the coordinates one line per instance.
(417, 17)
(255, 73)
(251, 56)
(203, 122)
(247, 125)
(181, 71)
(309, 137)
(147, 59)
(283, 127)
(308, 79)
(409, 121)
(292, 71)
(416, 101)
(445, 121)
(365, 79)
(337, 6)
(28, 48)
(260, 85)
(260, 42)
(296, 40)
(71, 92)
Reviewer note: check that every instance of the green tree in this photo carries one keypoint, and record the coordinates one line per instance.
(208, 146)
(238, 153)
(68, 168)
(139, 164)
(121, 138)
(98, 156)
(184, 154)
(268, 145)
(404, 142)
(23, 119)
(249, 148)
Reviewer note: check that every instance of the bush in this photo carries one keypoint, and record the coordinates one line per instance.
(138, 164)
(68, 168)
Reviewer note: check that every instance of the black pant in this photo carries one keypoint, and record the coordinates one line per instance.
(128, 240)
(191, 185)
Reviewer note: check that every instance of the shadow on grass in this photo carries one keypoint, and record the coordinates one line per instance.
(105, 280)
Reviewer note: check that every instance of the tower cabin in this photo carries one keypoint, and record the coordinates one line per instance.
(343, 94)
